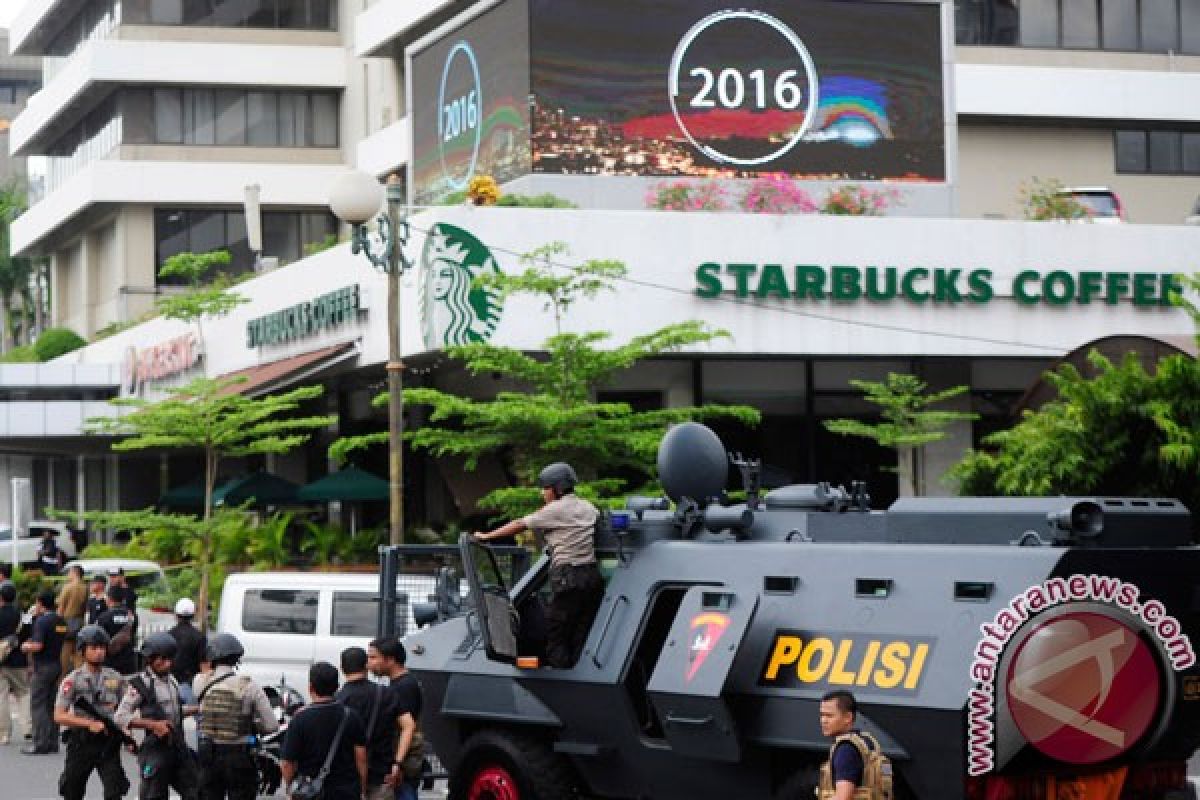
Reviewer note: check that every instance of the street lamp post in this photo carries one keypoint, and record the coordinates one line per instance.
(355, 198)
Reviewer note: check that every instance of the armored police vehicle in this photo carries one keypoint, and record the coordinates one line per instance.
(999, 648)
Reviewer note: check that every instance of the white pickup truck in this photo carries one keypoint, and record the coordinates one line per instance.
(29, 542)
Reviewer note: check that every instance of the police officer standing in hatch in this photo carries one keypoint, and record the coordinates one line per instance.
(89, 744)
(567, 526)
(153, 704)
(233, 710)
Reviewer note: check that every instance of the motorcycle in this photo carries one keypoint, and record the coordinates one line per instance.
(285, 702)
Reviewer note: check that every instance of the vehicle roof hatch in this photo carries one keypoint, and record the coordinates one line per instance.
(689, 678)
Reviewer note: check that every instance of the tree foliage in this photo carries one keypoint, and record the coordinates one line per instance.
(554, 417)
(1125, 431)
(909, 420)
(200, 300)
(54, 342)
(16, 273)
(208, 415)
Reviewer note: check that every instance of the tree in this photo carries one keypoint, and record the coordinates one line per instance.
(909, 421)
(200, 300)
(555, 419)
(1125, 431)
(15, 273)
(210, 416)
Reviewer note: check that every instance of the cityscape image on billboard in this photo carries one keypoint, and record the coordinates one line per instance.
(814, 88)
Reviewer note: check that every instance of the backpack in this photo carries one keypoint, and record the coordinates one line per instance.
(877, 769)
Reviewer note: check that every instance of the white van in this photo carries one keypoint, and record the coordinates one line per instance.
(288, 620)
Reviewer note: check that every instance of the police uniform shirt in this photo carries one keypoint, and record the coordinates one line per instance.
(166, 691)
(103, 687)
(112, 621)
(567, 525)
(49, 630)
(94, 607)
(254, 701)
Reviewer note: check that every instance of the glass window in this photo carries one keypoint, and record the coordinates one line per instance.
(208, 231)
(355, 614)
(1191, 153)
(325, 119)
(261, 14)
(197, 12)
(1160, 20)
(280, 611)
(1189, 19)
(262, 118)
(1039, 23)
(237, 243)
(1080, 24)
(281, 236)
(168, 116)
(1119, 23)
(293, 119)
(170, 233)
(315, 227)
(1131, 151)
(231, 117)
(166, 12)
(322, 14)
(1164, 151)
(199, 117)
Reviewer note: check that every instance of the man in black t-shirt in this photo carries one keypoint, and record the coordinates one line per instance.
(311, 735)
(376, 706)
(127, 596)
(386, 658)
(837, 711)
(122, 655)
(191, 647)
(45, 645)
(96, 603)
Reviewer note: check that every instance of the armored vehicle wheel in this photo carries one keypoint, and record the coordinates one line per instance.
(500, 765)
(802, 785)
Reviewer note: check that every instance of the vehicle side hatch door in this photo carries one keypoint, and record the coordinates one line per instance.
(490, 598)
(689, 678)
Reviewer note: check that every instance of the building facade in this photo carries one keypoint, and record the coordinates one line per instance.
(157, 115)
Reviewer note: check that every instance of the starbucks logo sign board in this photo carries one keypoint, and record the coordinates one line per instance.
(454, 310)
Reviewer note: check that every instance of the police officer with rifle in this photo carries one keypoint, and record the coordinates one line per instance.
(153, 704)
(86, 701)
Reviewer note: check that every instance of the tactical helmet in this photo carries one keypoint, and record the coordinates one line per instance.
(90, 635)
(160, 644)
(224, 648)
(558, 476)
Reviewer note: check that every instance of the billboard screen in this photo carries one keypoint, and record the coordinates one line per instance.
(469, 104)
(815, 88)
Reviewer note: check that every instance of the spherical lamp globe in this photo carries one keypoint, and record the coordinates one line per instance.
(355, 197)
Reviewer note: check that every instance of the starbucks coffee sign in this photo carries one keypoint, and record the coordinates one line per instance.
(306, 319)
(924, 285)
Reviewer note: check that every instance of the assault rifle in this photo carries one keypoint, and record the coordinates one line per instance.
(110, 725)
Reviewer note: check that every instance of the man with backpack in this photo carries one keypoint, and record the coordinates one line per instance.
(857, 768)
(378, 707)
(325, 753)
(120, 624)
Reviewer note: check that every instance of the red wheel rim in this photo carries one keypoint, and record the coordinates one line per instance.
(493, 783)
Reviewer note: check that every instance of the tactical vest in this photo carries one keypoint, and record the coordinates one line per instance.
(877, 769)
(222, 718)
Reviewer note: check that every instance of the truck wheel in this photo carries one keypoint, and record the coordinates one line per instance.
(802, 785)
(499, 765)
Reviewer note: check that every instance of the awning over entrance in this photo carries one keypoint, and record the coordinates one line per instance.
(287, 371)
(346, 485)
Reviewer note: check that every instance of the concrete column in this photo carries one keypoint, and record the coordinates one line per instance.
(81, 484)
(939, 456)
(51, 496)
(112, 483)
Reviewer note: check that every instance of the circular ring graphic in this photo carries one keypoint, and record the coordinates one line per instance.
(459, 47)
(810, 72)
(1083, 688)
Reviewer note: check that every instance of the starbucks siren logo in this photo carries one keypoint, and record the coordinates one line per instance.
(454, 310)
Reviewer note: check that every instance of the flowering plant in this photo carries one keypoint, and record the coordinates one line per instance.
(483, 190)
(686, 196)
(858, 201)
(1045, 198)
(776, 193)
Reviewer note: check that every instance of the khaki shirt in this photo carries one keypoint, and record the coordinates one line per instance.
(254, 701)
(71, 600)
(104, 688)
(567, 526)
(166, 691)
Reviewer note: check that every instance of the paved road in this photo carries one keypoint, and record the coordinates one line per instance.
(25, 777)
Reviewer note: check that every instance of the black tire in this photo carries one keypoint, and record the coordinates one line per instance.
(801, 785)
(536, 773)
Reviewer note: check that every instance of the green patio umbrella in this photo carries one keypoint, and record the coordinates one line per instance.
(259, 489)
(349, 485)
